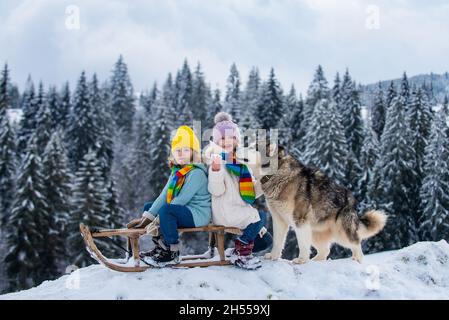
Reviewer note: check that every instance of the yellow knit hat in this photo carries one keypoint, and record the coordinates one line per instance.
(185, 138)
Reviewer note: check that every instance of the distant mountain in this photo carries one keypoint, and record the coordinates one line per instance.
(438, 82)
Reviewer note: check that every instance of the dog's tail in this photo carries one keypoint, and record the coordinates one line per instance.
(372, 222)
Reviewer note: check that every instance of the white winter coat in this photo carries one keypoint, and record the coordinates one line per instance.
(228, 207)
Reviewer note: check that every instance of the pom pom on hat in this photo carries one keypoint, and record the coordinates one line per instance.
(222, 116)
(224, 127)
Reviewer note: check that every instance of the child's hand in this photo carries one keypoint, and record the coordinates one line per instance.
(216, 162)
(138, 223)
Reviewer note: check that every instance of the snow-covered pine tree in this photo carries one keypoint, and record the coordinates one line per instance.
(372, 200)
(8, 158)
(57, 191)
(24, 98)
(336, 91)
(4, 91)
(30, 108)
(44, 123)
(390, 96)
(393, 180)
(160, 150)
(183, 95)
(270, 109)
(115, 214)
(149, 99)
(378, 112)
(137, 170)
(99, 99)
(214, 106)
(445, 108)
(374, 187)
(419, 118)
(317, 91)
(404, 94)
(405, 97)
(103, 120)
(82, 133)
(354, 172)
(89, 207)
(233, 99)
(250, 100)
(200, 92)
(41, 96)
(123, 175)
(168, 99)
(299, 129)
(8, 165)
(368, 158)
(351, 115)
(430, 92)
(54, 102)
(435, 188)
(65, 105)
(143, 98)
(445, 105)
(14, 96)
(27, 225)
(291, 120)
(326, 146)
(122, 97)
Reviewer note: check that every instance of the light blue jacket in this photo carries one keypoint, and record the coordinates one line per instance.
(194, 194)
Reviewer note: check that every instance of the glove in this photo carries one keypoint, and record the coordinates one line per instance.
(153, 228)
(138, 223)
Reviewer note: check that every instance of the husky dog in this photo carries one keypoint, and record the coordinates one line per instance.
(319, 210)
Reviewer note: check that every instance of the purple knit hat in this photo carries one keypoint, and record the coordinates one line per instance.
(224, 127)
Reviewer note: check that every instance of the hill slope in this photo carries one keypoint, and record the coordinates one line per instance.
(419, 271)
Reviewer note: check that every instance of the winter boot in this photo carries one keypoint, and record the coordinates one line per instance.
(168, 255)
(158, 247)
(242, 256)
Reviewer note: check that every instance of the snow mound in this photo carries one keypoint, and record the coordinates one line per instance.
(420, 271)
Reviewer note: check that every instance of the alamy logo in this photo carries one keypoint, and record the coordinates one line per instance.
(372, 21)
(72, 20)
(373, 281)
(73, 280)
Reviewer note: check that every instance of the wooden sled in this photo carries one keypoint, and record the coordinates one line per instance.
(216, 240)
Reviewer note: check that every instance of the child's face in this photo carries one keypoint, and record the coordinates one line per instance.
(228, 143)
(183, 155)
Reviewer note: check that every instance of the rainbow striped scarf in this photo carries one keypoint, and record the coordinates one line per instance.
(246, 185)
(175, 185)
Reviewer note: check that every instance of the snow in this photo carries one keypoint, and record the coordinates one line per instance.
(15, 115)
(365, 113)
(420, 271)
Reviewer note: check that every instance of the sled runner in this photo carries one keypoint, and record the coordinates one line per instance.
(136, 264)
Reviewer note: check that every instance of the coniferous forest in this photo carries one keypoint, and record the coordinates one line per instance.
(96, 151)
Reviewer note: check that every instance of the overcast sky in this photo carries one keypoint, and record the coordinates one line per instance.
(375, 39)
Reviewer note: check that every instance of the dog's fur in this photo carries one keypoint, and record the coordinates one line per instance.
(319, 210)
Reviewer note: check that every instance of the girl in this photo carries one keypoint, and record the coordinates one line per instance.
(234, 190)
(183, 203)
